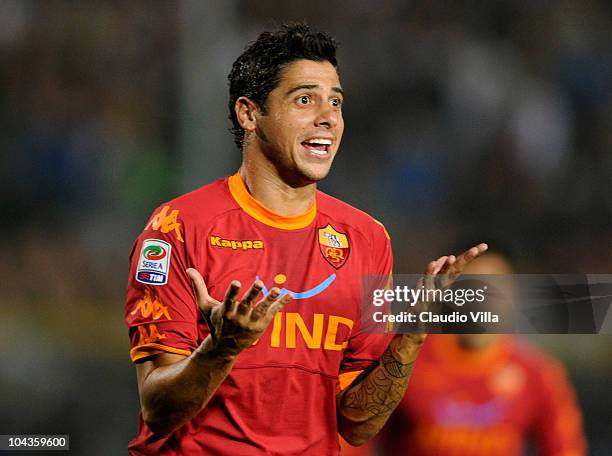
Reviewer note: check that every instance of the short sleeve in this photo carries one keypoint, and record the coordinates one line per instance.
(558, 428)
(365, 348)
(160, 310)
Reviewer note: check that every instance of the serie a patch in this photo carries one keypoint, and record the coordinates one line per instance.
(154, 262)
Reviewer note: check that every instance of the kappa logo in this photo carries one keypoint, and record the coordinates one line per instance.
(149, 335)
(334, 246)
(166, 221)
(151, 306)
(218, 241)
(154, 262)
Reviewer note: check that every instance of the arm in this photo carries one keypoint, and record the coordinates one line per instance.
(365, 406)
(174, 388)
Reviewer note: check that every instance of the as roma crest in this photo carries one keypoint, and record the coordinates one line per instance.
(334, 246)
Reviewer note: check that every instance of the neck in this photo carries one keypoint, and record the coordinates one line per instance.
(267, 186)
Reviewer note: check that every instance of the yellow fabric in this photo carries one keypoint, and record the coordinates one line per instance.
(142, 351)
(259, 212)
(345, 380)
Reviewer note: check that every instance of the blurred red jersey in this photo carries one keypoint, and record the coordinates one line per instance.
(461, 403)
(279, 398)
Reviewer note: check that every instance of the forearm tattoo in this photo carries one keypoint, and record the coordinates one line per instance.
(378, 391)
(394, 367)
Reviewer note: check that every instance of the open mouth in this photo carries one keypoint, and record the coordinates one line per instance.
(318, 146)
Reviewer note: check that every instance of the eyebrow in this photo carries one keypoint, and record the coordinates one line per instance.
(313, 86)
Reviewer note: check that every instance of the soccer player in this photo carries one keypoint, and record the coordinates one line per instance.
(222, 370)
(484, 395)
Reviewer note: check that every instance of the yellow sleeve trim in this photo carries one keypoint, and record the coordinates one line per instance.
(384, 229)
(386, 232)
(345, 380)
(142, 351)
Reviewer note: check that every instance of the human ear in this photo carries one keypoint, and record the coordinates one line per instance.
(246, 112)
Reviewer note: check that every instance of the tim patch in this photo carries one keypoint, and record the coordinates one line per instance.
(154, 262)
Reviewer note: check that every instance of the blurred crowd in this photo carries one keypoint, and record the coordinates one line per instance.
(487, 121)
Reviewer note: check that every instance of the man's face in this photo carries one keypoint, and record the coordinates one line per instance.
(302, 128)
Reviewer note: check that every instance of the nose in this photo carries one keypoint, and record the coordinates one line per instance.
(327, 116)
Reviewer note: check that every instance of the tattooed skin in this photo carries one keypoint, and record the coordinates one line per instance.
(365, 406)
(394, 367)
(380, 389)
(369, 401)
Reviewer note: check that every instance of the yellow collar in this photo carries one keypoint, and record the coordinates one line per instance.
(259, 212)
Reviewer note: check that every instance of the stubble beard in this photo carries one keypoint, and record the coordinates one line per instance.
(290, 171)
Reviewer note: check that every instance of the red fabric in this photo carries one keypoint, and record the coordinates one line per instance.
(280, 396)
(490, 403)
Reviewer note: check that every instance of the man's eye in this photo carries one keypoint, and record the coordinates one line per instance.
(303, 100)
(336, 102)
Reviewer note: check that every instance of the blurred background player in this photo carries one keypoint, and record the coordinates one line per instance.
(483, 394)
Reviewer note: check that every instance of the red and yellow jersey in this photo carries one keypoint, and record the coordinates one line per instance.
(279, 397)
(488, 403)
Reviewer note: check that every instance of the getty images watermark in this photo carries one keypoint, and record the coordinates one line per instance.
(518, 303)
(426, 314)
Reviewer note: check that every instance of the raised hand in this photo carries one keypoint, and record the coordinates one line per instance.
(453, 266)
(235, 324)
(441, 273)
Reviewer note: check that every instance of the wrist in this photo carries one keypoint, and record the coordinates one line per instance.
(405, 347)
(210, 351)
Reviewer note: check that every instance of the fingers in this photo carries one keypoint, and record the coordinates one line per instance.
(229, 302)
(454, 266)
(433, 268)
(247, 301)
(446, 269)
(270, 305)
(467, 256)
(452, 259)
(204, 300)
(446, 276)
(263, 305)
(280, 303)
(230, 305)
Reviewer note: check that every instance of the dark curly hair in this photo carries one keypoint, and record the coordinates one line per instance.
(257, 71)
